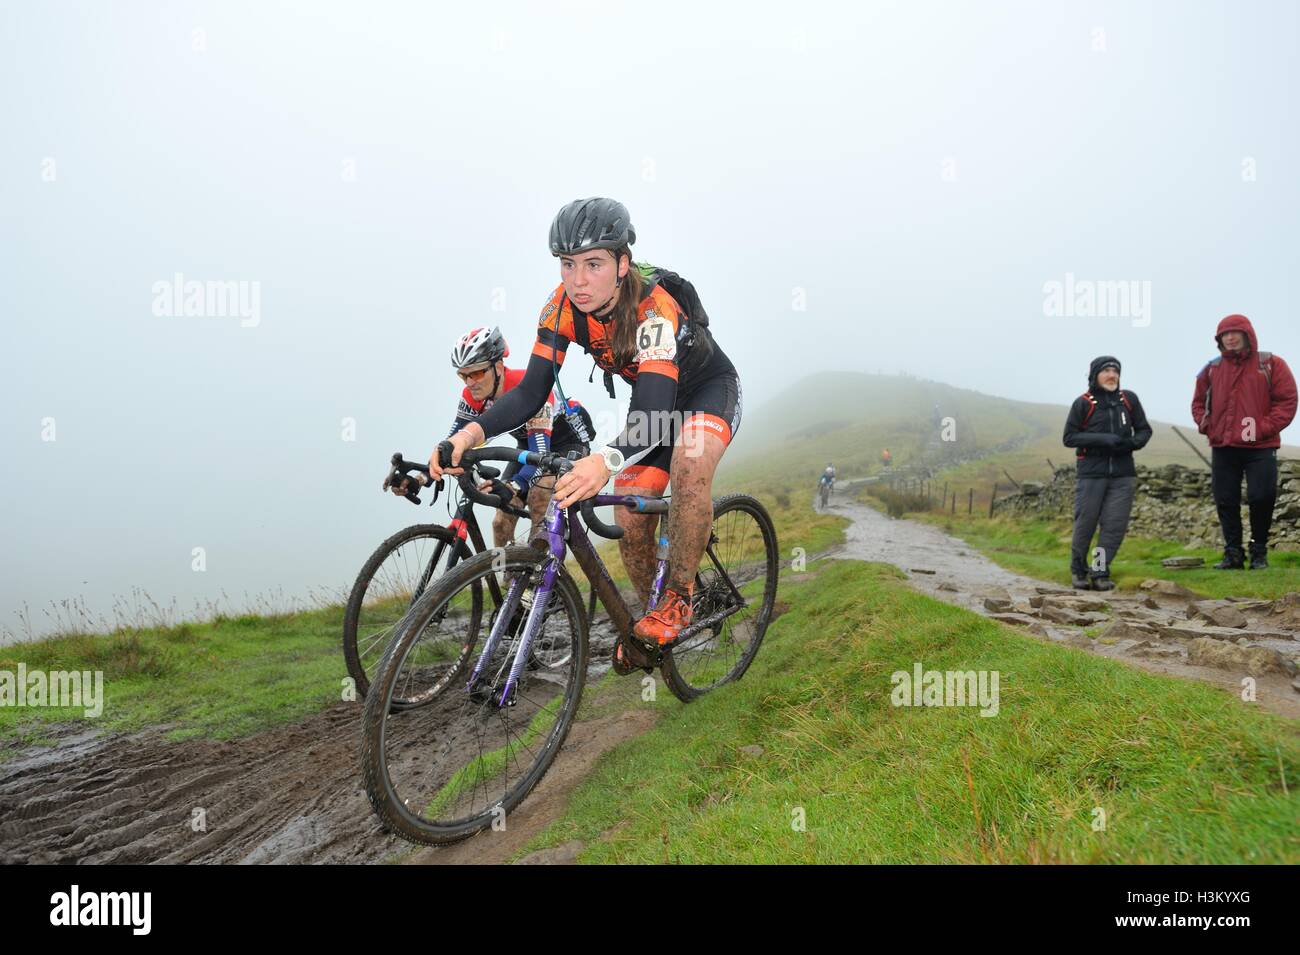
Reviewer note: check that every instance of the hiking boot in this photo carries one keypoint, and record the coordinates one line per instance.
(1102, 582)
(1079, 580)
(1233, 559)
(1258, 557)
(668, 619)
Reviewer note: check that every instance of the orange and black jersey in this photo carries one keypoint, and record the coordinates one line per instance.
(659, 321)
(672, 357)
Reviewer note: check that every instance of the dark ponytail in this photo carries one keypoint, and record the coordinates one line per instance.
(623, 331)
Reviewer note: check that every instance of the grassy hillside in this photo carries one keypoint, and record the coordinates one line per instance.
(226, 678)
(233, 676)
(1182, 772)
(784, 446)
(806, 760)
(849, 417)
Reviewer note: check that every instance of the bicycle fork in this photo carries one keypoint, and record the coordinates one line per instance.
(661, 567)
(541, 597)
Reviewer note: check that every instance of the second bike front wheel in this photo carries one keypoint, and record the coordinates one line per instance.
(394, 577)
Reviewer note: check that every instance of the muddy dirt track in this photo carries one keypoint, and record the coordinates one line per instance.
(287, 795)
(293, 794)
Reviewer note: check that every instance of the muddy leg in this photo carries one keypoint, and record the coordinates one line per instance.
(637, 545)
(538, 500)
(503, 526)
(690, 520)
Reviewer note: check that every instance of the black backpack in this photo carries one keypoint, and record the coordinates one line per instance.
(692, 336)
(682, 291)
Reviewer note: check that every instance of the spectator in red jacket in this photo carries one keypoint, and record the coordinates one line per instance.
(1243, 400)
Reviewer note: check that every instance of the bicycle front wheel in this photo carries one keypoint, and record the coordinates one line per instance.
(444, 771)
(739, 570)
(394, 577)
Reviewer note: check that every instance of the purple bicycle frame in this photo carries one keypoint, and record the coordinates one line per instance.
(559, 527)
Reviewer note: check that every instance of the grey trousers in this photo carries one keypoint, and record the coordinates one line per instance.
(1107, 501)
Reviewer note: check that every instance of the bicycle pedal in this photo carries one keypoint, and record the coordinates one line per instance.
(635, 656)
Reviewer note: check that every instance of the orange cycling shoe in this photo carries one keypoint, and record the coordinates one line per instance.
(666, 621)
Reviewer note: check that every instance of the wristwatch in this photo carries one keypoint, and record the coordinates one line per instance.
(613, 459)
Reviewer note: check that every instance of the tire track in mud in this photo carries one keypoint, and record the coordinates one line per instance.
(291, 794)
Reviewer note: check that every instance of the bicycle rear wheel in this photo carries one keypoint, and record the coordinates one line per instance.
(444, 771)
(739, 568)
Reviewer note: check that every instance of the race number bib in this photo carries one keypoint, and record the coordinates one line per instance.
(655, 339)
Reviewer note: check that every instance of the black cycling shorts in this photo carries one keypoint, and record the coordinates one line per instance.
(711, 406)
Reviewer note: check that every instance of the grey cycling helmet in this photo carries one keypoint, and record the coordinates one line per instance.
(586, 224)
(479, 345)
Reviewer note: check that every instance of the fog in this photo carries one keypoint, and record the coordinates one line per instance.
(935, 189)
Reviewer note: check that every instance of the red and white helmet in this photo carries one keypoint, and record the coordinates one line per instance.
(478, 346)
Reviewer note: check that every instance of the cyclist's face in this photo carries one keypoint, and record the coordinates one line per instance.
(589, 277)
(1108, 378)
(479, 379)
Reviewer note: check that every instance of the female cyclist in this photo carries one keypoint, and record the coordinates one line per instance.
(685, 405)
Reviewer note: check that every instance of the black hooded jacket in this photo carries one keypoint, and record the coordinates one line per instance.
(1106, 427)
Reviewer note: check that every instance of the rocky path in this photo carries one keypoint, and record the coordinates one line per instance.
(1163, 628)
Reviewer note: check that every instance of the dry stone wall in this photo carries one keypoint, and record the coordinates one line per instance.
(1172, 501)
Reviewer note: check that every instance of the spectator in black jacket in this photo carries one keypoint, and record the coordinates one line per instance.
(1106, 425)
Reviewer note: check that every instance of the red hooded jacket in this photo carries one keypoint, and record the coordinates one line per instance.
(1237, 390)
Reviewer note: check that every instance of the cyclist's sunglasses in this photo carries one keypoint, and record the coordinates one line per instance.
(466, 375)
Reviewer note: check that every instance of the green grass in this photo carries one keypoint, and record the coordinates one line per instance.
(224, 679)
(1183, 772)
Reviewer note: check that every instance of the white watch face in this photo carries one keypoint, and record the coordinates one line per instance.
(613, 459)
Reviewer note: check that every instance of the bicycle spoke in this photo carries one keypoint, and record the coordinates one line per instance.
(451, 761)
(739, 552)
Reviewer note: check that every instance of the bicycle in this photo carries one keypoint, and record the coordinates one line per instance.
(825, 491)
(397, 574)
(493, 725)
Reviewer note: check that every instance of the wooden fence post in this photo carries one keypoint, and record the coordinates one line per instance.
(970, 501)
